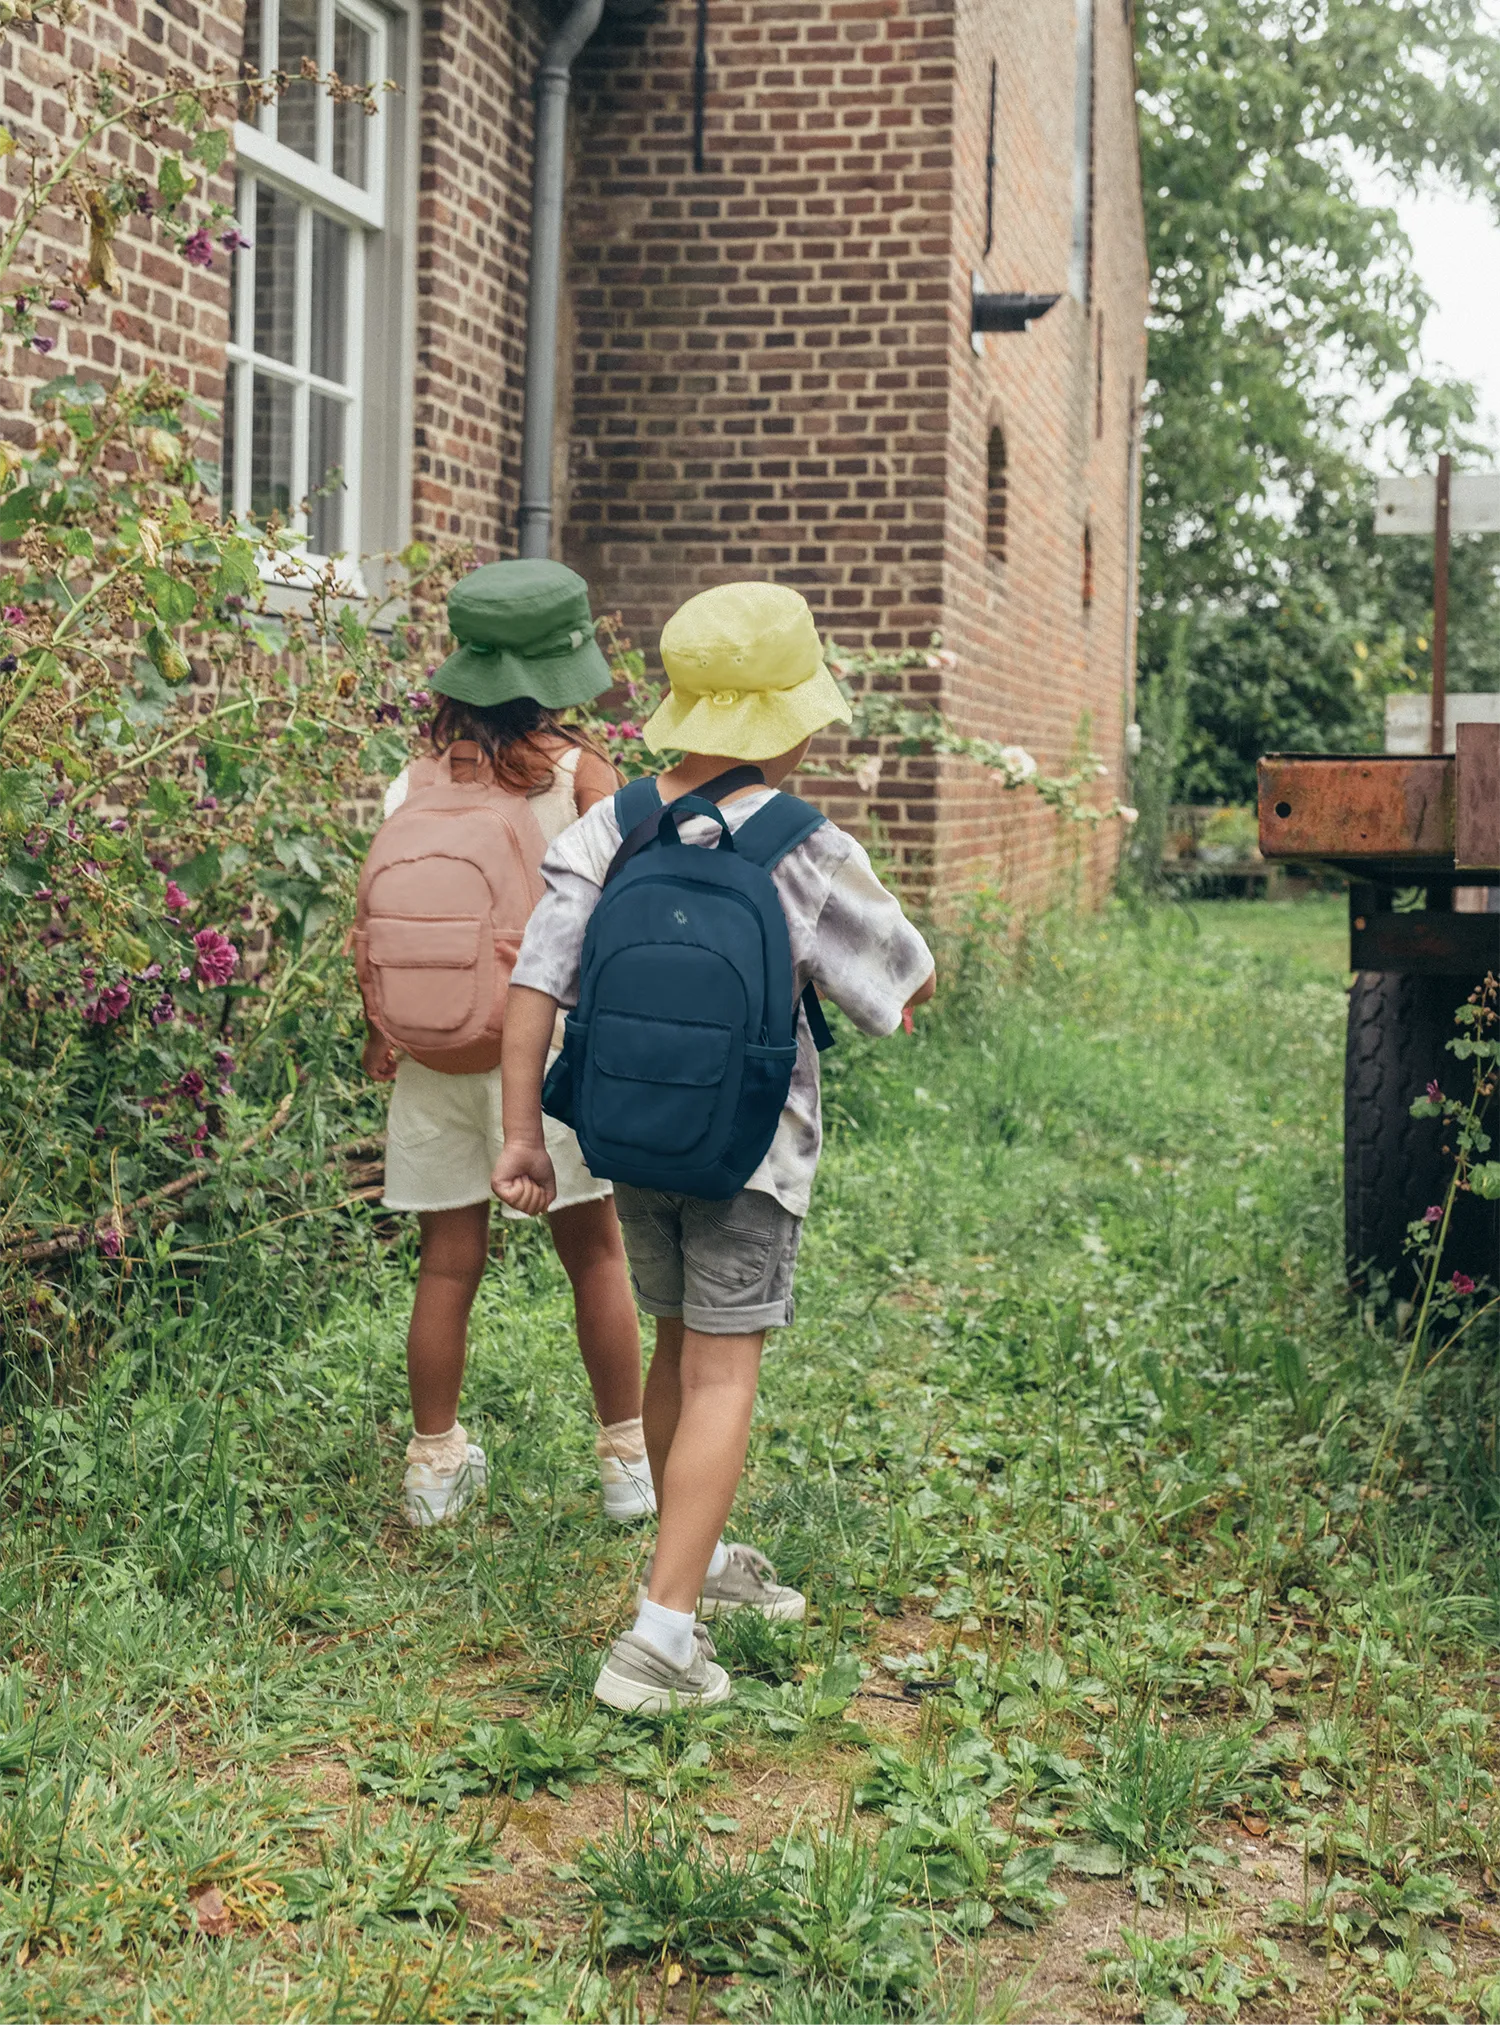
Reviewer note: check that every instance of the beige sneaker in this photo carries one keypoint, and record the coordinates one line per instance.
(747, 1581)
(642, 1681)
(431, 1497)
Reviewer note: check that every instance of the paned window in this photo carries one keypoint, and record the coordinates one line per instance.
(311, 199)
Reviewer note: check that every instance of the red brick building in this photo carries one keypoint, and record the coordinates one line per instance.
(767, 363)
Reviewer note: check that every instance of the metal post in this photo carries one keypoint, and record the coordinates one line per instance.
(1440, 604)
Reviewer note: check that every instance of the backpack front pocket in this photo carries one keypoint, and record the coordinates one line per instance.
(655, 1082)
(425, 973)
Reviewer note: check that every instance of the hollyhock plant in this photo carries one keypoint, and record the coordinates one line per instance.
(174, 899)
(198, 248)
(108, 1242)
(110, 1005)
(1462, 1284)
(217, 956)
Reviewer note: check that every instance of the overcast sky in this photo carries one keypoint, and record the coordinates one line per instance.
(1457, 247)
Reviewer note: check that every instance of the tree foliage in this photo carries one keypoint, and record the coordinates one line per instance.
(1286, 322)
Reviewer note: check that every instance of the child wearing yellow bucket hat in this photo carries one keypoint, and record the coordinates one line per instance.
(749, 689)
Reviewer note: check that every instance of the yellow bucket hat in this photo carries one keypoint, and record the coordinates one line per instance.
(747, 675)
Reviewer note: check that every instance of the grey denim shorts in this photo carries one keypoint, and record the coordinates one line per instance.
(725, 1267)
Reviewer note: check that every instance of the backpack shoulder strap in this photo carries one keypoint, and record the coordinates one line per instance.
(783, 824)
(765, 840)
(637, 805)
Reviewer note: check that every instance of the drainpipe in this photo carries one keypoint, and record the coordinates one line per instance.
(534, 531)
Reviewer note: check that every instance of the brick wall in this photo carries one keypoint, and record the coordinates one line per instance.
(773, 375)
(473, 213)
(167, 314)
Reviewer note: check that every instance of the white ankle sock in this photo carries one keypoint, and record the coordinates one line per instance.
(625, 1440)
(443, 1452)
(718, 1561)
(670, 1631)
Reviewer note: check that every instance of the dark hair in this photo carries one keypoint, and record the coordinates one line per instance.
(509, 735)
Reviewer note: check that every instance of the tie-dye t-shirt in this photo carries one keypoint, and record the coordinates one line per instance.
(848, 936)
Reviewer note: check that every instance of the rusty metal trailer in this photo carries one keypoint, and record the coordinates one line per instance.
(1408, 832)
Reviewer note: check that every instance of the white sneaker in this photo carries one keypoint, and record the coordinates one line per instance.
(629, 1492)
(430, 1497)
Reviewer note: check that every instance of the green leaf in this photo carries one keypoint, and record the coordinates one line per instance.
(173, 181)
(174, 600)
(199, 873)
(211, 146)
(78, 541)
(237, 572)
(1087, 1858)
(24, 875)
(166, 800)
(384, 755)
(1485, 1180)
(223, 768)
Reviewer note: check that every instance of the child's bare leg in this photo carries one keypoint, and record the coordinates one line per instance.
(663, 1396)
(587, 1238)
(455, 1246)
(714, 1381)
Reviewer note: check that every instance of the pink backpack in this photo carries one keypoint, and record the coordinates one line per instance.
(444, 899)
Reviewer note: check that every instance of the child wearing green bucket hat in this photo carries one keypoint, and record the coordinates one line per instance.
(748, 687)
(526, 651)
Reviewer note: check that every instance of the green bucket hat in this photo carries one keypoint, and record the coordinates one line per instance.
(524, 629)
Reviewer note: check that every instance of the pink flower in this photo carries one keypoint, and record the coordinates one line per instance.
(175, 897)
(234, 241)
(164, 1010)
(190, 1084)
(1433, 1213)
(60, 303)
(1435, 1091)
(628, 730)
(109, 1005)
(198, 248)
(1462, 1284)
(43, 345)
(15, 615)
(183, 974)
(108, 1241)
(217, 956)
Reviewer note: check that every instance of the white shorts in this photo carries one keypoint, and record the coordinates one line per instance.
(444, 1137)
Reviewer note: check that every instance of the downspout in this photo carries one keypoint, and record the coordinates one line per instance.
(534, 528)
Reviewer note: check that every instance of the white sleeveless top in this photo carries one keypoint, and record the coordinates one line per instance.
(555, 808)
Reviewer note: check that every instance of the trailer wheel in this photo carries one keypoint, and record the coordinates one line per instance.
(1394, 1165)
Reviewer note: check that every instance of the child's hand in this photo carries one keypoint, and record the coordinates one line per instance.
(523, 1178)
(379, 1058)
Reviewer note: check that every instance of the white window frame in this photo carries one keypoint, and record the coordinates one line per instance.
(262, 157)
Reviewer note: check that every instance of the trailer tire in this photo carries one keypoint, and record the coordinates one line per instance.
(1394, 1164)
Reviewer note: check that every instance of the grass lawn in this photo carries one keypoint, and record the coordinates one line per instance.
(1152, 1666)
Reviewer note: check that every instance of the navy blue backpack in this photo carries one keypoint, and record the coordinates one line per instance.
(679, 1054)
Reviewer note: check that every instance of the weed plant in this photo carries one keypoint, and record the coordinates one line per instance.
(1074, 1445)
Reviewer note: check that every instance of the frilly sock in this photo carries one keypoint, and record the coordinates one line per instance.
(444, 1453)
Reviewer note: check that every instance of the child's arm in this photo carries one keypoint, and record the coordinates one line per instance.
(523, 1176)
(923, 991)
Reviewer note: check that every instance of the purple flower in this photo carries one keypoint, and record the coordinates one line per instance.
(1435, 1091)
(42, 893)
(1462, 1284)
(1433, 1213)
(198, 248)
(109, 1005)
(151, 973)
(190, 1084)
(217, 956)
(234, 241)
(183, 974)
(145, 203)
(628, 730)
(224, 1061)
(60, 303)
(387, 713)
(108, 1241)
(7, 664)
(63, 902)
(419, 699)
(164, 1010)
(15, 615)
(174, 897)
(209, 802)
(88, 974)
(43, 345)
(119, 826)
